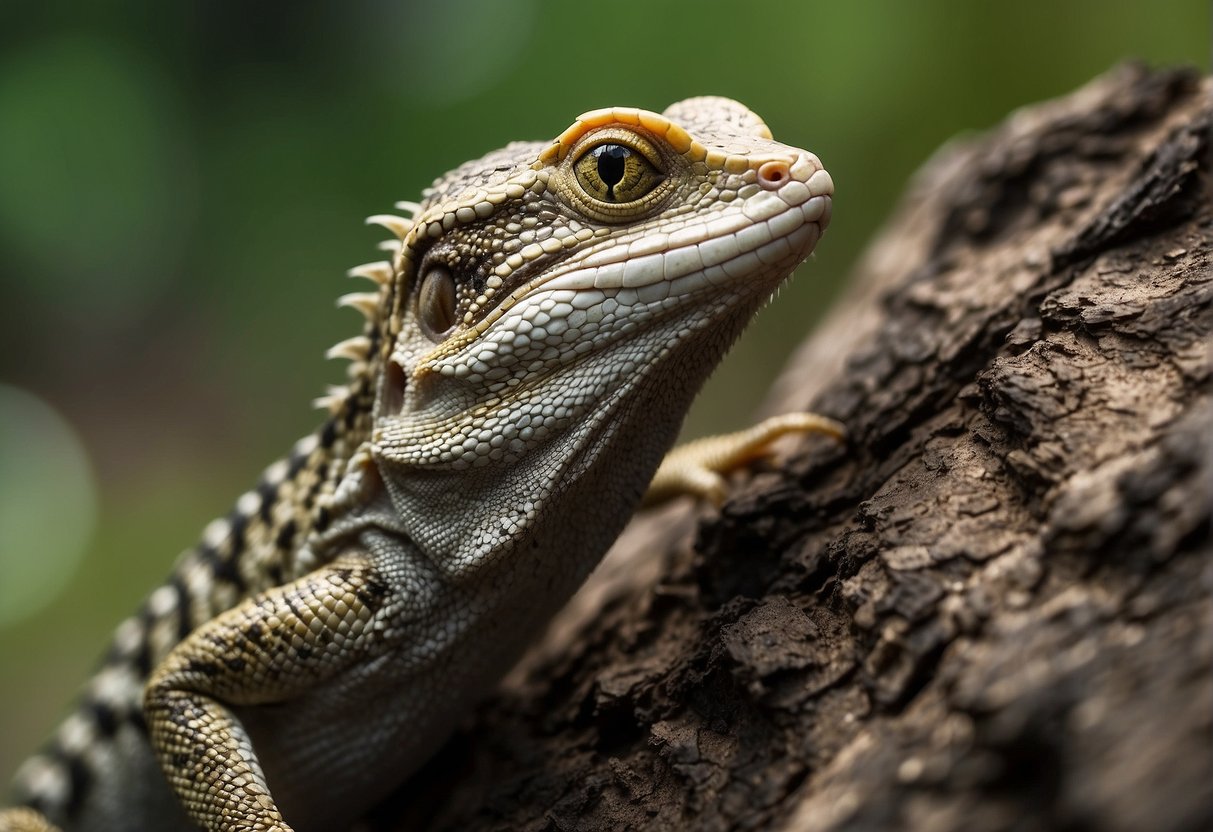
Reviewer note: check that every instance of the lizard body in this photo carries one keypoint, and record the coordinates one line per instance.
(529, 353)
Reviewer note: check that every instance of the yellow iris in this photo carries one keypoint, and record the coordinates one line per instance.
(616, 173)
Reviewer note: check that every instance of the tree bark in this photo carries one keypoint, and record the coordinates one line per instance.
(992, 609)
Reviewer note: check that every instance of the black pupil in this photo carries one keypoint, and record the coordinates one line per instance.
(611, 161)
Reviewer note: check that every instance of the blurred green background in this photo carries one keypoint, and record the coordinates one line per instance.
(182, 187)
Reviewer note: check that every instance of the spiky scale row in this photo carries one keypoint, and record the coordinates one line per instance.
(367, 303)
(399, 226)
(357, 348)
(379, 272)
(335, 395)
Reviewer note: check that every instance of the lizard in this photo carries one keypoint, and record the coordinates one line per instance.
(528, 355)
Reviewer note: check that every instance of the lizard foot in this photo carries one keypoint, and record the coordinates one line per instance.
(698, 468)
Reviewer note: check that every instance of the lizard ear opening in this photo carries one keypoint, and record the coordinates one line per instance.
(392, 395)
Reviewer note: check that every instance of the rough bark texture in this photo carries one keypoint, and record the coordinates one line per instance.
(992, 610)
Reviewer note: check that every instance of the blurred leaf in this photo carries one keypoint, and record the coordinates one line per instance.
(95, 185)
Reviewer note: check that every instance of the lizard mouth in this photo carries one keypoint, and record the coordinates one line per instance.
(768, 240)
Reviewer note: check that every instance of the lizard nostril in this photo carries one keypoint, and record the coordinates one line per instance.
(772, 175)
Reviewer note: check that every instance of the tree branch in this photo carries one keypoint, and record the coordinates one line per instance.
(992, 610)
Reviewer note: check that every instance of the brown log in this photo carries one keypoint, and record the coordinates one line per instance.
(992, 610)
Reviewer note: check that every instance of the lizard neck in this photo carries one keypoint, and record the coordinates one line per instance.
(554, 511)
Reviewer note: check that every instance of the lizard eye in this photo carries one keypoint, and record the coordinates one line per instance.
(615, 173)
(436, 306)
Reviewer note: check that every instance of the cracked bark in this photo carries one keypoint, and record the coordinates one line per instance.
(992, 610)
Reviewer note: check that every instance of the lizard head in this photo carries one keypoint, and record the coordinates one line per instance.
(545, 280)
